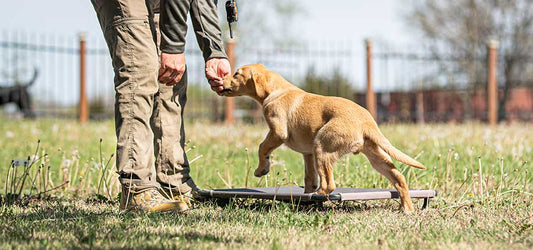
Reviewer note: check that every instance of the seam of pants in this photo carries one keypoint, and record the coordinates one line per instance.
(159, 120)
(131, 158)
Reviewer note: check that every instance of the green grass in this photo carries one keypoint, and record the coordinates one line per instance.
(483, 175)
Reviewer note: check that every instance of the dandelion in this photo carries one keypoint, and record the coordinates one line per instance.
(55, 128)
(34, 158)
(66, 162)
(498, 147)
(456, 156)
(10, 134)
(96, 165)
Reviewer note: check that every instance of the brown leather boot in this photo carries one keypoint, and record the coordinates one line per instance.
(149, 200)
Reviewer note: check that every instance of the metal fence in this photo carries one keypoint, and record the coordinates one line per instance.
(56, 57)
(410, 85)
(452, 87)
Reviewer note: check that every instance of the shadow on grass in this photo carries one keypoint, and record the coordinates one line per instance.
(310, 207)
(53, 208)
(203, 237)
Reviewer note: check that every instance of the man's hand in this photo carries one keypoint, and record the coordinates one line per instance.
(215, 70)
(172, 68)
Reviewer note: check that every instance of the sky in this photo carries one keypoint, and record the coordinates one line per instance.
(340, 19)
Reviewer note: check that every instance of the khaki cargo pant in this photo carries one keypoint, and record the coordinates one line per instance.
(148, 115)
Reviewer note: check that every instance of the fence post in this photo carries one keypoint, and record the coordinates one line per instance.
(83, 105)
(216, 114)
(492, 85)
(420, 119)
(370, 95)
(230, 101)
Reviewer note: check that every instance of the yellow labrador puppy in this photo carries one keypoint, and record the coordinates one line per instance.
(322, 128)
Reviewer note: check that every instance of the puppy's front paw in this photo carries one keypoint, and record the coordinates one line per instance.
(263, 168)
(260, 172)
(324, 191)
(310, 189)
(321, 191)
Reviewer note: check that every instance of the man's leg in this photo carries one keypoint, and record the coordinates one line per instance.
(129, 36)
(172, 167)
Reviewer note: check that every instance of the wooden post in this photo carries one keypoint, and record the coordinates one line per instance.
(83, 105)
(370, 95)
(216, 114)
(492, 84)
(230, 101)
(420, 119)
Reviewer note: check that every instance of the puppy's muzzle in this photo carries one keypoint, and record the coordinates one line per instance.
(226, 91)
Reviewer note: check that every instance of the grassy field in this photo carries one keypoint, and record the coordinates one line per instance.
(483, 175)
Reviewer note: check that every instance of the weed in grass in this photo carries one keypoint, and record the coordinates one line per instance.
(103, 174)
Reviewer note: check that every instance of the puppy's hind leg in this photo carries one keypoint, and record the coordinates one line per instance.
(324, 165)
(382, 163)
(311, 175)
(331, 142)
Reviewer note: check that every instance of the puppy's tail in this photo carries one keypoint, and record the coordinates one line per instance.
(377, 137)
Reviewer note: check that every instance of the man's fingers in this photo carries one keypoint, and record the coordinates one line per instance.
(174, 78)
(211, 75)
(215, 83)
(170, 77)
(223, 72)
(162, 72)
(164, 76)
(217, 89)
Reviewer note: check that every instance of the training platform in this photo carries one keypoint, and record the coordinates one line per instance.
(294, 193)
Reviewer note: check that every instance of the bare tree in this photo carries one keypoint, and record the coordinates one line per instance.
(461, 29)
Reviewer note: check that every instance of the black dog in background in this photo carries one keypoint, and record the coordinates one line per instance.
(19, 95)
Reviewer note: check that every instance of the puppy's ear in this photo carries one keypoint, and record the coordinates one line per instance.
(257, 77)
(259, 82)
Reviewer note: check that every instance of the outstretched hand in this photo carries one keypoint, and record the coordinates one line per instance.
(215, 70)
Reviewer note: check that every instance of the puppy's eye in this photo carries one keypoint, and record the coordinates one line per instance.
(236, 74)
